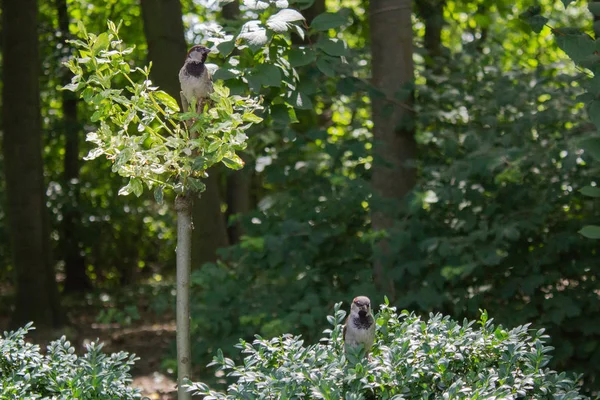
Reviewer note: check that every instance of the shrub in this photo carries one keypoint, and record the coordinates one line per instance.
(411, 359)
(25, 373)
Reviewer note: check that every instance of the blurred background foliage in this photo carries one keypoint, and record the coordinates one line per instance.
(491, 223)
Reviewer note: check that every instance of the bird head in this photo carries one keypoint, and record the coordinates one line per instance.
(361, 306)
(198, 53)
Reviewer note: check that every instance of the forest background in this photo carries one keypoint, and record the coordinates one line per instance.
(433, 151)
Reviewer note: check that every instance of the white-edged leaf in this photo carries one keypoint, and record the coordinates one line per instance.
(280, 22)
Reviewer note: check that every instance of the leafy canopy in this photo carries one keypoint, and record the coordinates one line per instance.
(140, 126)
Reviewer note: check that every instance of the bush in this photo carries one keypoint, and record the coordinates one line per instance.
(25, 373)
(411, 359)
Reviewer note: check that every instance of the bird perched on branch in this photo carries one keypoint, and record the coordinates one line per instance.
(360, 325)
(195, 79)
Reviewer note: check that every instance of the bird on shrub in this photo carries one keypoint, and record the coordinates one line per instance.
(360, 325)
(195, 79)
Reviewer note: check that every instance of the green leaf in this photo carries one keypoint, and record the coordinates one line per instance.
(326, 67)
(224, 74)
(301, 56)
(254, 34)
(591, 146)
(333, 47)
(590, 231)
(301, 101)
(325, 21)
(196, 184)
(225, 48)
(233, 161)
(101, 43)
(280, 22)
(136, 186)
(283, 114)
(579, 46)
(268, 75)
(214, 145)
(96, 116)
(166, 99)
(590, 191)
(249, 117)
(73, 87)
(537, 23)
(567, 2)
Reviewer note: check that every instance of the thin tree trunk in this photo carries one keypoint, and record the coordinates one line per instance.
(183, 206)
(37, 292)
(76, 279)
(394, 143)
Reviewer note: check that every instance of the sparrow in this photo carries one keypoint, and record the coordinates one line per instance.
(360, 325)
(195, 79)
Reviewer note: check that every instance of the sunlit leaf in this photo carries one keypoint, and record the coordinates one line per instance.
(280, 22)
(167, 100)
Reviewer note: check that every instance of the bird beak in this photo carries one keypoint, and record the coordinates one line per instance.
(363, 310)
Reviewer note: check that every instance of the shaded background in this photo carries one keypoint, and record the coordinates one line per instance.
(455, 193)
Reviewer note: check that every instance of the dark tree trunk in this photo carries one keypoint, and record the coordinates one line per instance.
(239, 186)
(432, 14)
(210, 230)
(394, 143)
(37, 292)
(238, 183)
(231, 11)
(76, 279)
(163, 26)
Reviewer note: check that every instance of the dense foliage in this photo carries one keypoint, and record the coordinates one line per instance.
(59, 373)
(493, 222)
(506, 164)
(411, 359)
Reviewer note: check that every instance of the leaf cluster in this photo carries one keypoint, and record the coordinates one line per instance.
(411, 359)
(141, 129)
(26, 373)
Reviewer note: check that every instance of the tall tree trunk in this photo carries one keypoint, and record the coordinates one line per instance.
(432, 13)
(238, 183)
(37, 292)
(163, 26)
(76, 279)
(394, 143)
